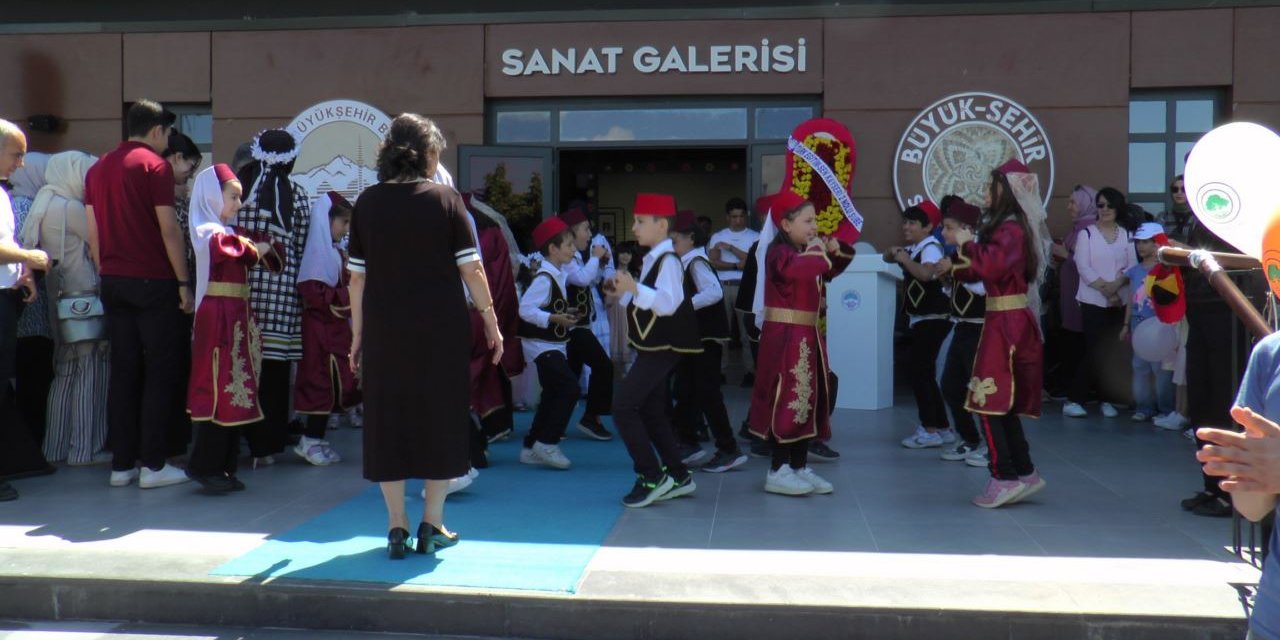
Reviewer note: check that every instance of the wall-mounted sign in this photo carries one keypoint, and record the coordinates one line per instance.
(952, 147)
(761, 57)
(340, 140)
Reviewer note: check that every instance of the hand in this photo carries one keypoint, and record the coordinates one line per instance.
(356, 357)
(1249, 461)
(599, 251)
(186, 299)
(943, 266)
(833, 245)
(624, 283)
(565, 320)
(1060, 251)
(38, 260)
(1124, 333)
(962, 236)
(535, 264)
(494, 336)
(28, 282)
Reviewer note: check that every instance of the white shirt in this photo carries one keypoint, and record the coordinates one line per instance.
(740, 239)
(666, 297)
(531, 303)
(607, 272)
(9, 273)
(1096, 258)
(709, 291)
(579, 273)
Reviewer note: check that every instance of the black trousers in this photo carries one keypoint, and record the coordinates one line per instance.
(640, 413)
(956, 373)
(1217, 352)
(1008, 450)
(20, 454)
(926, 340)
(584, 348)
(698, 396)
(145, 327)
(34, 377)
(559, 397)
(1105, 365)
(181, 430)
(795, 454)
(215, 450)
(268, 436)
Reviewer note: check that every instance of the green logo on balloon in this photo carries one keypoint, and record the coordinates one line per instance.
(1217, 202)
(1273, 272)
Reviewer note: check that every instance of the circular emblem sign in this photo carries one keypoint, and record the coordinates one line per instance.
(339, 140)
(851, 299)
(952, 147)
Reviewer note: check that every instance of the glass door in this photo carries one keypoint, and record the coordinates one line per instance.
(768, 170)
(517, 181)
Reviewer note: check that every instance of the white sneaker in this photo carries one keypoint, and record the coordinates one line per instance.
(334, 422)
(473, 473)
(455, 485)
(1173, 421)
(123, 478)
(329, 453)
(922, 439)
(355, 417)
(168, 475)
(1074, 410)
(786, 482)
(311, 451)
(979, 458)
(1139, 416)
(948, 436)
(544, 454)
(1109, 411)
(820, 485)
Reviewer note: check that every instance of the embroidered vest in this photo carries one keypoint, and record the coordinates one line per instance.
(967, 305)
(555, 304)
(647, 331)
(713, 323)
(924, 298)
(581, 301)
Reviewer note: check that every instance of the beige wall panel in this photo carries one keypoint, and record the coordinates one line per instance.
(169, 67)
(1182, 48)
(70, 76)
(1257, 49)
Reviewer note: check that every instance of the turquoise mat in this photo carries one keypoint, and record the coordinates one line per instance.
(522, 527)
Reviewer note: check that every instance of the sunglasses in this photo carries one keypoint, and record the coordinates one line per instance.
(1177, 189)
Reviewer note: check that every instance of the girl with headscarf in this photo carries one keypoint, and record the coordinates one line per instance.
(35, 340)
(1082, 207)
(77, 401)
(227, 348)
(325, 383)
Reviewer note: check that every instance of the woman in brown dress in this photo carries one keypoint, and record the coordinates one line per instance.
(411, 253)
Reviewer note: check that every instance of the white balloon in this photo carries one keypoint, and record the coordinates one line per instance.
(1155, 341)
(1233, 182)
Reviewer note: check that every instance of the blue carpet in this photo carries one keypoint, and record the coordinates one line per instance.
(522, 527)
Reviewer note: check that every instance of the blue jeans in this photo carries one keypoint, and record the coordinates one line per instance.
(1152, 387)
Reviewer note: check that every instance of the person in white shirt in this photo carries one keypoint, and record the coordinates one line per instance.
(582, 275)
(728, 250)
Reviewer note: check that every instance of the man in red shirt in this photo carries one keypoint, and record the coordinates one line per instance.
(137, 244)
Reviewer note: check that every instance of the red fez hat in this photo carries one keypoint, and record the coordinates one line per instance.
(573, 217)
(964, 213)
(224, 173)
(931, 212)
(337, 200)
(654, 204)
(783, 203)
(686, 221)
(1014, 165)
(548, 229)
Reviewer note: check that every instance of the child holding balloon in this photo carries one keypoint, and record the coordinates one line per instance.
(1152, 380)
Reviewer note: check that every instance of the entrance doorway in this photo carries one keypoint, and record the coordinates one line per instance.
(606, 181)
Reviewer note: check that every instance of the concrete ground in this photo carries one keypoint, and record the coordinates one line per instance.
(1104, 550)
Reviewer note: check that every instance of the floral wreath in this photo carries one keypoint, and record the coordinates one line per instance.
(271, 158)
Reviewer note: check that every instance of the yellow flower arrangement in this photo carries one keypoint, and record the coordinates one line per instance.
(836, 155)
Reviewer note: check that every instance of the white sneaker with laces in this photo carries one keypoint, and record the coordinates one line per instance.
(922, 439)
(312, 451)
(948, 436)
(1173, 421)
(1074, 410)
(168, 475)
(820, 485)
(979, 458)
(544, 454)
(1139, 416)
(329, 453)
(1109, 410)
(786, 482)
(123, 478)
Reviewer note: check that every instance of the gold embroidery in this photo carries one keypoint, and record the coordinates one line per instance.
(255, 347)
(981, 389)
(239, 372)
(803, 389)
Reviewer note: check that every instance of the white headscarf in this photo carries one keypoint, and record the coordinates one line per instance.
(63, 176)
(25, 182)
(320, 259)
(206, 203)
(1026, 190)
(767, 233)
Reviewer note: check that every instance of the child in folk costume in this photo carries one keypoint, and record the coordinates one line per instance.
(227, 350)
(927, 320)
(697, 377)
(1007, 256)
(325, 384)
(661, 326)
(968, 308)
(583, 275)
(546, 320)
(791, 399)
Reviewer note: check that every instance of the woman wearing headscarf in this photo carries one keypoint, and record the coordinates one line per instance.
(1081, 205)
(35, 343)
(275, 206)
(77, 401)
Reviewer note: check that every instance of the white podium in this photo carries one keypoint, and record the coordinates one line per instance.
(860, 307)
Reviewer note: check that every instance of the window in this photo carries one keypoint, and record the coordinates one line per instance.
(1163, 127)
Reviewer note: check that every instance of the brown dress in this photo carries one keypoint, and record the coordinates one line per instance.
(409, 239)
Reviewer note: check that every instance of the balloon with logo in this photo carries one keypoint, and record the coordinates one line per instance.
(1155, 341)
(820, 161)
(1232, 183)
(1271, 253)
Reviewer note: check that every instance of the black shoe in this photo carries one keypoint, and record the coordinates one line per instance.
(682, 487)
(431, 539)
(645, 492)
(594, 429)
(761, 449)
(397, 543)
(1198, 499)
(820, 451)
(499, 436)
(218, 484)
(724, 461)
(480, 460)
(748, 381)
(236, 485)
(1215, 508)
(7, 492)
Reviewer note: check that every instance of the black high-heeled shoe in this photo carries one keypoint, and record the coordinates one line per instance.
(397, 543)
(430, 538)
